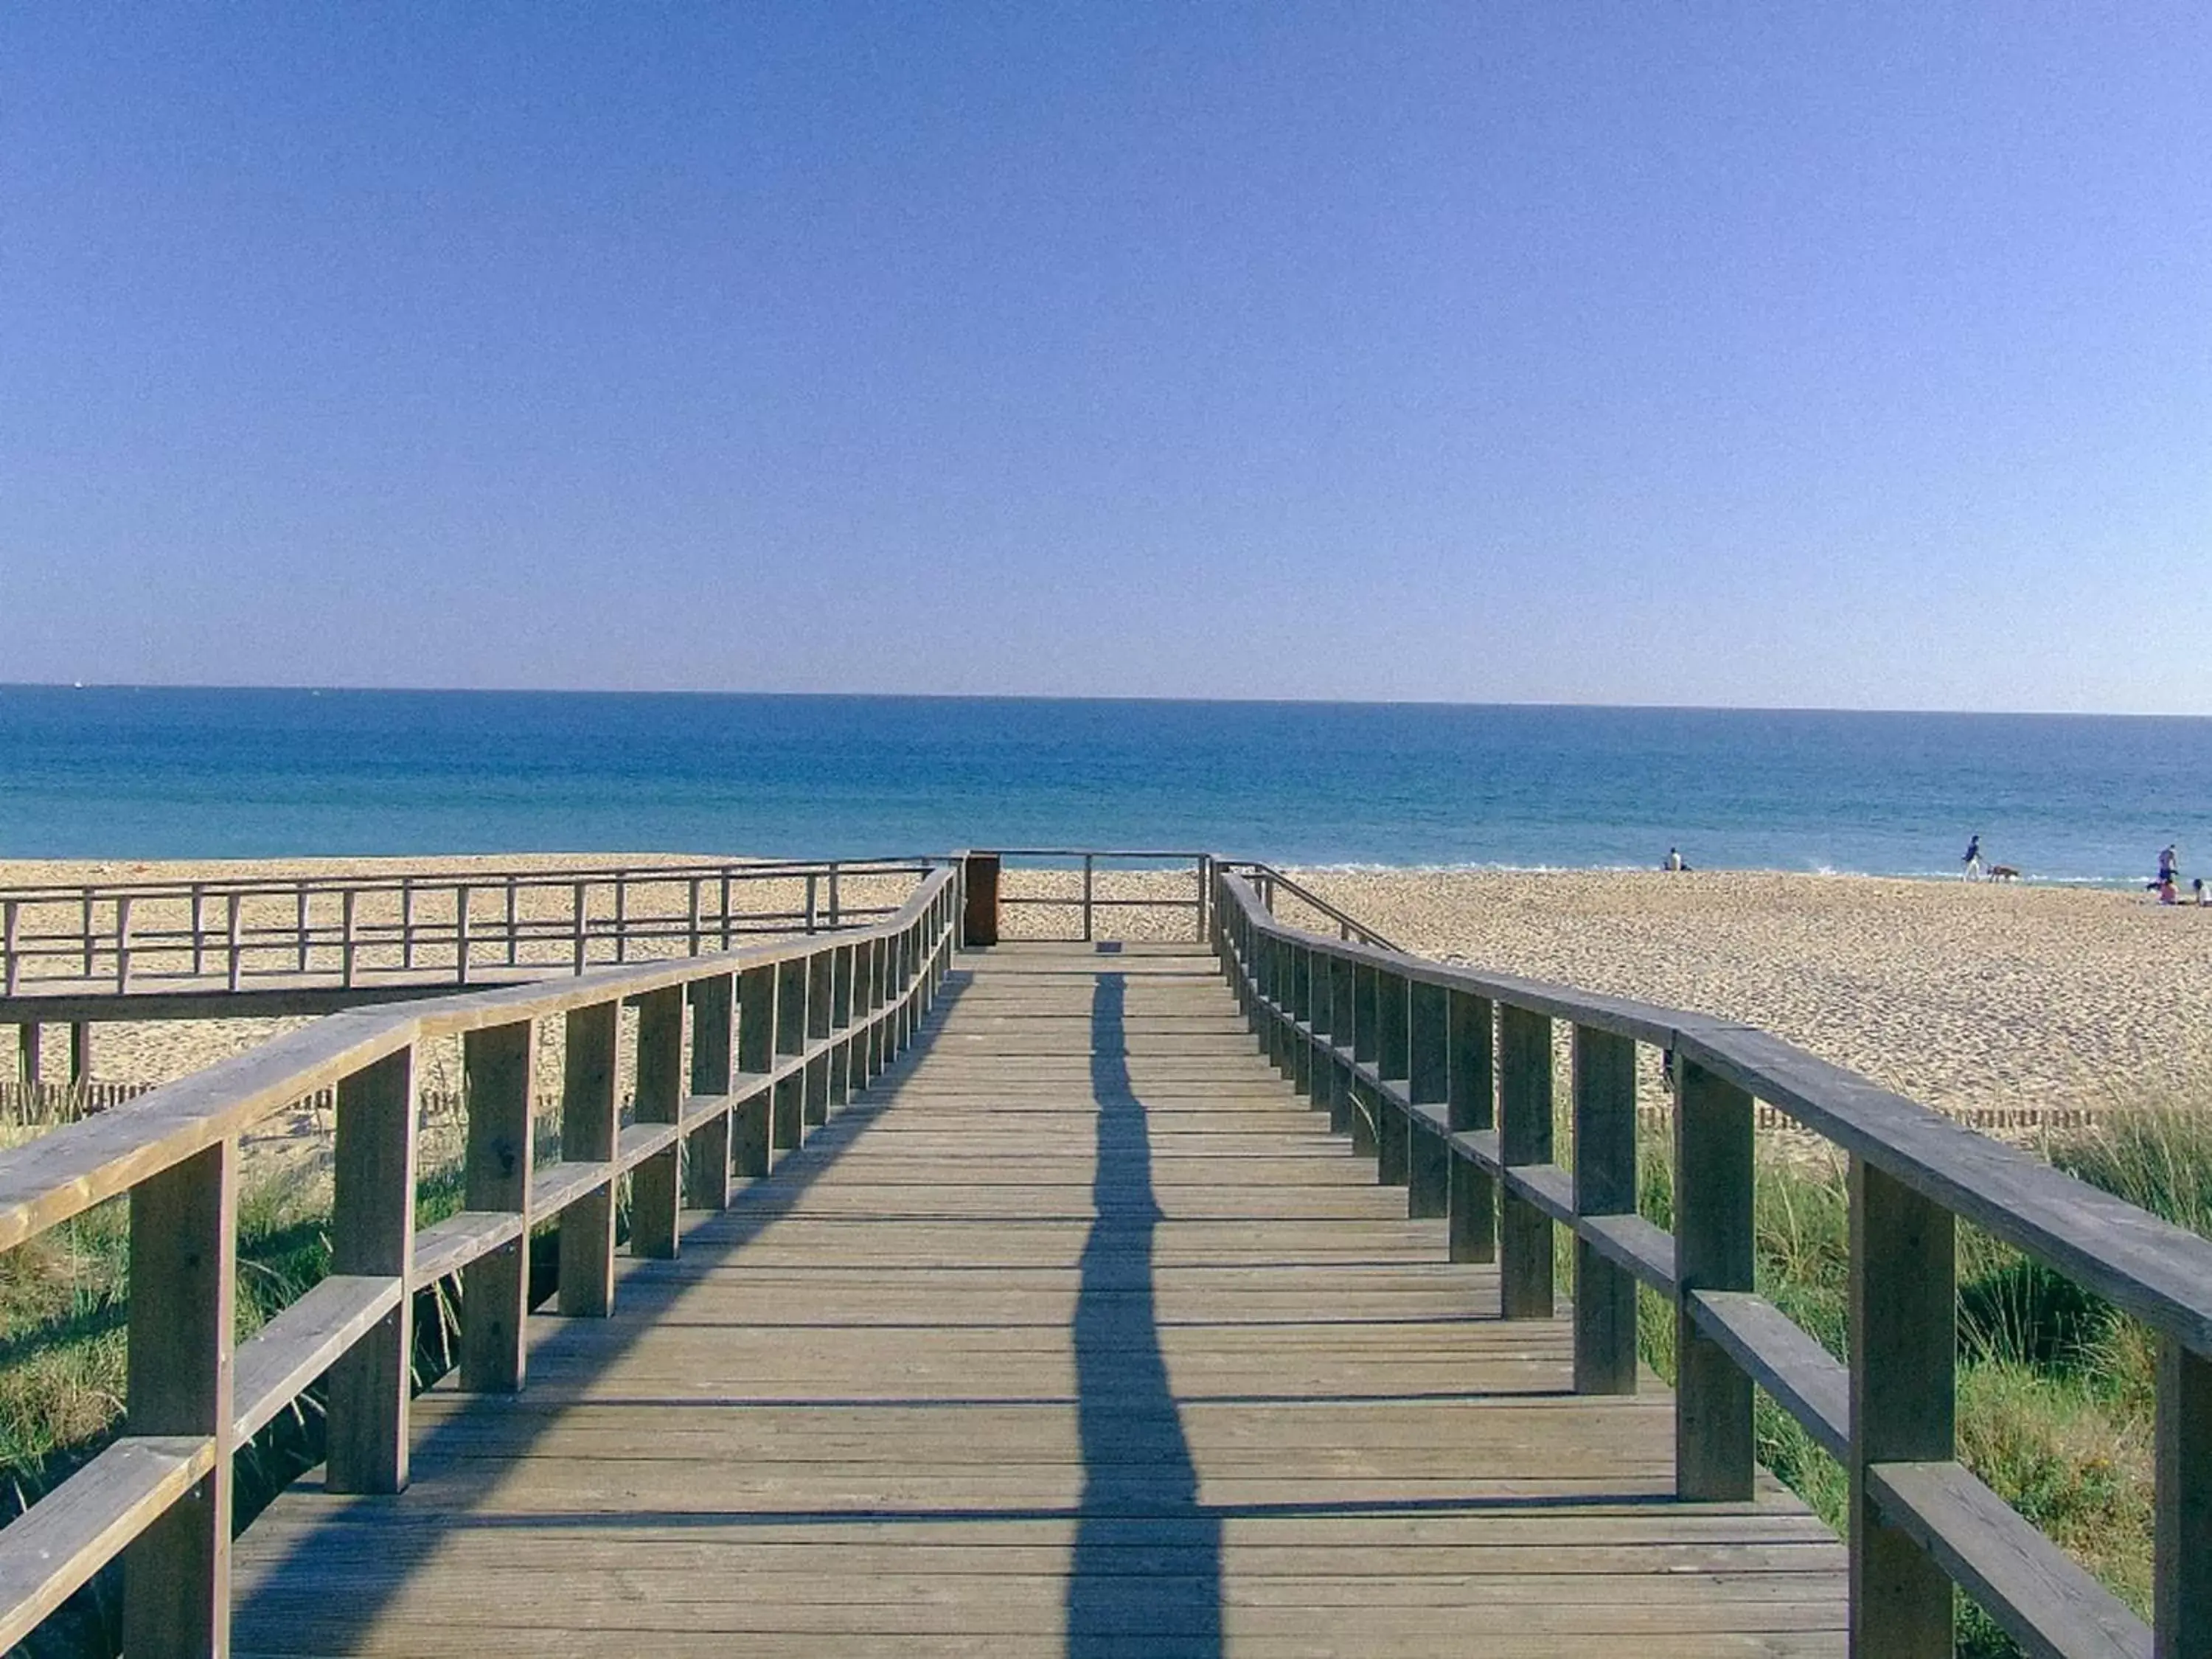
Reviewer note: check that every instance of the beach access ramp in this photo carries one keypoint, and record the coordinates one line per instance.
(1087, 1297)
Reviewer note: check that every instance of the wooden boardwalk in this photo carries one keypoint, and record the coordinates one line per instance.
(1076, 1333)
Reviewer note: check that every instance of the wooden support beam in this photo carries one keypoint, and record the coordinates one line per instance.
(655, 1196)
(706, 1148)
(1524, 1136)
(820, 976)
(1904, 1345)
(841, 967)
(497, 1064)
(1604, 1184)
(373, 1235)
(184, 1271)
(2184, 1526)
(589, 1124)
(748, 1124)
(1393, 1127)
(1471, 1103)
(1713, 1450)
(787, 1126)
(1428, 1082)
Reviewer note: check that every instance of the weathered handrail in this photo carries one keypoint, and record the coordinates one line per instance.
(1446, 1076)
(779, 1033)
(444, 925)
(1267, 882)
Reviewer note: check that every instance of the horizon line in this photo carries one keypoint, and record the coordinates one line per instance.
(1083, 698)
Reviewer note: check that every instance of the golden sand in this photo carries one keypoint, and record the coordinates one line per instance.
(1974, 998)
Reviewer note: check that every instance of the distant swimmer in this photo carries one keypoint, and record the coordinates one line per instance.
(1674, 859)
(1973, 859)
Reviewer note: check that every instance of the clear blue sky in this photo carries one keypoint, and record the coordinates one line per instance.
(1853, 356)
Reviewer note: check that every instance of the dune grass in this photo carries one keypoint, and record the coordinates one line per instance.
(2056, 1388)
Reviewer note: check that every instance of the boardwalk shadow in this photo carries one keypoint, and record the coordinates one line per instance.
(1140, 1487)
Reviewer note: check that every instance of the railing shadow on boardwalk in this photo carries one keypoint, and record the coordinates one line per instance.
(647, 1290)
(1140, 1481)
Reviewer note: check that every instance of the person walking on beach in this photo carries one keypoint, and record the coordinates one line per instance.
(2169, 866)
(1973, 859)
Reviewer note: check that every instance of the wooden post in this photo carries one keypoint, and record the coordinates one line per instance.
(707, 1167)
(655, 1195)
(2184, 1526)
(300, 920)
(693, 935)
(199, 940)
(85, 919)
(836, 901)
(810, 897)
(11, 921)
(1344, 1033)
(406, 923)
(1393, 1127)
(461, 934)
(373, 1233)
(979, 923)
(622, 915)
(1302, 1049)
(1903, 1340)
(28, 1044)
(123, 942)
(878, 996)
(184, 1271)
(581, 898)
(840, 1020)
(1472, 1226)
(237, 966)
(80, 1051)
(1366, 1031)
(1713, 1452)
(786, 1122)
(1524, 1136)
(725, 906)
(820, 973)
(1604, 1184)
(1320, 1015)
(1089, 861)
(1428, 1174)
(347, 946)
(588, 1128)
(514, 927)
(497, 1064)
(756, 1023)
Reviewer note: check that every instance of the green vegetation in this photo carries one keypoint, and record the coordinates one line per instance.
(2056, 1387)
(63, 1314)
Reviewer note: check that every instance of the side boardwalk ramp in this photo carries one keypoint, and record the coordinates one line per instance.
(1077, 1334)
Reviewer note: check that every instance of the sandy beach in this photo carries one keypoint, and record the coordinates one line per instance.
(1986, 1000)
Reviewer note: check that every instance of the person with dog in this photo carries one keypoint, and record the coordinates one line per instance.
(1973, 859)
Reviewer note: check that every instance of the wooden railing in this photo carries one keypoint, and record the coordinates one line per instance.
(778, 1034)
(447, 926)
(1445, 1076)
(1084, 900)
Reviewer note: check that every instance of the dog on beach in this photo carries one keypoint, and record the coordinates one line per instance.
(2003, 872)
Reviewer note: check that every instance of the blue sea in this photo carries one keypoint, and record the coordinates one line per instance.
(124, 773)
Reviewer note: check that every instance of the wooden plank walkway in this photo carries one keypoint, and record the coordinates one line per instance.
(1076, 1335)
